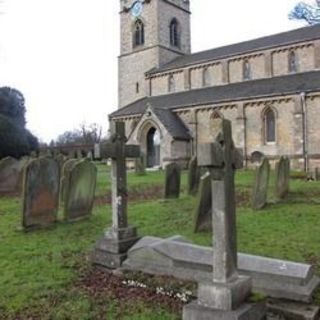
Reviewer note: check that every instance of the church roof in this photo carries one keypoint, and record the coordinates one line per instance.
(276, 40)
(276, 86)
(172, 123)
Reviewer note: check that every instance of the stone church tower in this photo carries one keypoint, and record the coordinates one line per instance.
(153, 32)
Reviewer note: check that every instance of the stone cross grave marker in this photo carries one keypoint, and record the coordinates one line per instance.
(260, 189)
(224, 297)
(79, 196)
(111, 250)
(172, 181)
(282, 172)
(40, 193)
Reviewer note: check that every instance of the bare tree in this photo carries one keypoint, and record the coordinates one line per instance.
(304, 11)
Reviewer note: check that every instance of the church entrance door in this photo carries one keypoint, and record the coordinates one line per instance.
(153, 148)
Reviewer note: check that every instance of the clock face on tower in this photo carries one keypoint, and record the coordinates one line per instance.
(136, 8)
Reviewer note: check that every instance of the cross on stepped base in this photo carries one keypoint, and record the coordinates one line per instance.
(111, 250)
(223, 298)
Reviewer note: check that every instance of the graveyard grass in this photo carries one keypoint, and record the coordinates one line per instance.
(42, 272)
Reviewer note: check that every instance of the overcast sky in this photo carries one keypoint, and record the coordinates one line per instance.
(62, 54)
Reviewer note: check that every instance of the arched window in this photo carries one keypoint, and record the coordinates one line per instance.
(269, 125)
(137, 87)
(138, 39)
(171, 83)
(293, 65)
(174, 33)
(246, 70)
(216, 115)
(206, 77)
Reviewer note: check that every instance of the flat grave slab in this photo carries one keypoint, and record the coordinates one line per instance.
(179, 258)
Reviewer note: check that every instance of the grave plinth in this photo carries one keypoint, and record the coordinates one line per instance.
(224, 297)
(111, 250)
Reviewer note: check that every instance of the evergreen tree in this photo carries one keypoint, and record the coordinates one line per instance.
(15, 139)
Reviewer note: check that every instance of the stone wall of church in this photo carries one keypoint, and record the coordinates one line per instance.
(130, 75)
(248, 126)
(263, 64)
(257, 67)
(313, 128)
(160, 85)
(255, 132)
(206, 117)
(214, 76)
(304, 56)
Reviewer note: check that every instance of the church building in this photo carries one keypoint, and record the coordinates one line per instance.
(170, 98)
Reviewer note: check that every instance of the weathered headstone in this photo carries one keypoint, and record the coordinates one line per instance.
(90, 156)
(112, 249)
(71, 154)
(256, 156)
(316, 174)
(193, 176)
(33, 154)
(40, 193)
(282, 180)
(79, 196)
(224, 297)
(172, 182)
(260, 189)
(97, 154)
(64, 177)
(79, 154)
(203, 216)
(10, 174)
(140, 168)
(60, 158)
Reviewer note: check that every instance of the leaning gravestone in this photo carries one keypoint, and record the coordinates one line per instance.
(79, 195)
(172, 182)
(260, 189)
(193, 176)
(40, 193)
(140, 168)
(64, 180)
(203, 216)
(224, 297)
(282, 173)
(10, 175)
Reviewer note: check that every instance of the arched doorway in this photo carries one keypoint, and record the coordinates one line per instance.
(153, 148)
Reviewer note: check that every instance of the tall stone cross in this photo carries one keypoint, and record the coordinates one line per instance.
(118, 151)
(224, 297)
(111, 250)
(222, 159)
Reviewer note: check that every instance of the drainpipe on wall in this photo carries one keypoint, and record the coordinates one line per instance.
(305, 131)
